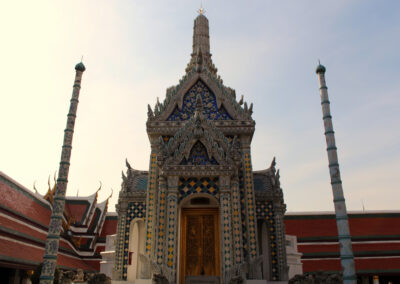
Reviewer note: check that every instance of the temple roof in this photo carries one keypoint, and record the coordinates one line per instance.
(134, 180)
(24, 224)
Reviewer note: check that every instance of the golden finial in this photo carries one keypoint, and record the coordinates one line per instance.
(201, 11)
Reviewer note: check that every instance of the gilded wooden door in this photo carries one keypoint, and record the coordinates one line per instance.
(200, 242)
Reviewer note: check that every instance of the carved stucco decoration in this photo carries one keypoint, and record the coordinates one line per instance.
(196, 129)
(224, 95)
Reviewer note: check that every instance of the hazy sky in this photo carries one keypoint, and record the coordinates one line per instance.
(266, 50)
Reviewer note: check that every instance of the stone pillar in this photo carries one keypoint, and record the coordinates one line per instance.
(250, 201)
(279, 210)
(225, 225)
(53, 235)
(162, 193)
(172, 226)
(151, 206)
(346, 252)
(236, 223)
(122, 209)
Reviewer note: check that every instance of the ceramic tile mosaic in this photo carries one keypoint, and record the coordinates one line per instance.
(242, 195)
(236, 225)
(135, 210)
(161, 220)
(265, 211)
(251, 225)
(226, 226)
(209, 104)
(192, 185)
(172, 208)
(151, 193)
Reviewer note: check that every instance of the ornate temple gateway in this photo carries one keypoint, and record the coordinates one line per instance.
(201, 214)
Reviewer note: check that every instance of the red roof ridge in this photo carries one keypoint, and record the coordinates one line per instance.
(25, 189)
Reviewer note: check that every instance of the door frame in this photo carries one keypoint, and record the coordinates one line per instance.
(198, 211)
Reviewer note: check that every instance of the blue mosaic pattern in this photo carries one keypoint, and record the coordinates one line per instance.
(135, 210)
(199, 156)
(211, 110)
(265, 211)
(192, 185)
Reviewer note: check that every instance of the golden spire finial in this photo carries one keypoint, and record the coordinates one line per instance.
(201, 11)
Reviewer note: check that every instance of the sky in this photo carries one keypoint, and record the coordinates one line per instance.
(266, 50)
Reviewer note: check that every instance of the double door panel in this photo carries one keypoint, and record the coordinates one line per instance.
(200, 242)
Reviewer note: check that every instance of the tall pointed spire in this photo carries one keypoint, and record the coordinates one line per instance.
(201, 56)
(201, 35)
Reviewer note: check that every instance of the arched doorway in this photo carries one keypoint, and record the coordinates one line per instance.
(199, 237)
(136, 247)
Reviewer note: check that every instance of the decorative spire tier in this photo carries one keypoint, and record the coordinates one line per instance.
(201, 56)
(201, 35)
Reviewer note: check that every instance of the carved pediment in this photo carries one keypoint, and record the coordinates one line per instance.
(223, 104)
(211, 108)
(199, 155)
(198, 142)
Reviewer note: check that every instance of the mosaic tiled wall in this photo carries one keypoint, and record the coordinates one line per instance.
(192, 185)
(226, 211)
(119, 250)
(242, 196)
(161, 220)
(209, 102)
(172, 208)
(236, 224)
(251, 217)
(151, 195)
(135, 210)
(265, 211)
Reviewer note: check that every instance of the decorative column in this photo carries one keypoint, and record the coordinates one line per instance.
(122, 209)
(162, 193)
(226, 232)
(53, 235)
(171, 238)
(250, 201)
(236, 222)
(346, 252)
(150, 205)
(279, 211)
